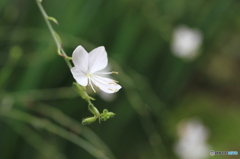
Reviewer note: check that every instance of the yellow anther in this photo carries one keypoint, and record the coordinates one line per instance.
(114, 72)
(113, 84)
(114, 80)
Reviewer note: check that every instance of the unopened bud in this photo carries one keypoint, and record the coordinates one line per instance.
(111, 114)
(89, 120)
(106, 115)
(93, 109)
(105, 111)
(82, 92)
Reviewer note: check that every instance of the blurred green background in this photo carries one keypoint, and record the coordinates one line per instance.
(40, 113)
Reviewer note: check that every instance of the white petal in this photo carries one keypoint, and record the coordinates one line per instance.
(97, 59)
(105, 84)
(79, 76)
(80, 59)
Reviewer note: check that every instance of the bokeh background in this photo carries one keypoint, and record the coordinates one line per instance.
(178, 63)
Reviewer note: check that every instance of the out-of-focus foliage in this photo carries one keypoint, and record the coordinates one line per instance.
(40, 114)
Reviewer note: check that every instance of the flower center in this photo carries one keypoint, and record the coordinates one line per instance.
(89, 75)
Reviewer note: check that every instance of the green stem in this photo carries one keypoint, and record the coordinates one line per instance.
(58, 44)
(53, 33)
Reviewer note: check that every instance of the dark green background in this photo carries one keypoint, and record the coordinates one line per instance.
(159, 89)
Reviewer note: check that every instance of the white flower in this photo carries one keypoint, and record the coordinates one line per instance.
(186, 42)
(89, 69)
(193, 140)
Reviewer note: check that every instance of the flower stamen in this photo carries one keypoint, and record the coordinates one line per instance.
(91, 85)
(107, 73)
(114, 84)
(114, 81)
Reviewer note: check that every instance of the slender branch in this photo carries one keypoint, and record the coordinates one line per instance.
(61, 52)
(53, 33)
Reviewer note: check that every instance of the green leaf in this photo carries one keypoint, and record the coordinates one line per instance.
(53, 20)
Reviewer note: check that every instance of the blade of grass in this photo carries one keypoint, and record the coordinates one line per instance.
(35, 140)
(53, 128)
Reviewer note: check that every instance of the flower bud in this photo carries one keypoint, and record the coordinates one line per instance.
(93, 109)
(106, 115)
(111, 114)
(105, 111)
(80, 91)
(89, 120)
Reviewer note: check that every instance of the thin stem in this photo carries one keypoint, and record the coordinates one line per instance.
(61, 52)
(53, 33)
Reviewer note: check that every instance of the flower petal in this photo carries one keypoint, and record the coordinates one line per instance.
(80, 59)
(97, 59)
(79, 76)
(105, 84)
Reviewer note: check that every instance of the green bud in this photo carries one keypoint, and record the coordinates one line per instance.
(82, 92)
(106, 115)
(89, 120)
(93, 109)
(111, 114)
(105, 111)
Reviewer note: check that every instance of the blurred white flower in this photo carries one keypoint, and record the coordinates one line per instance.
(186, 42)
(192, 143)
(89, 69)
